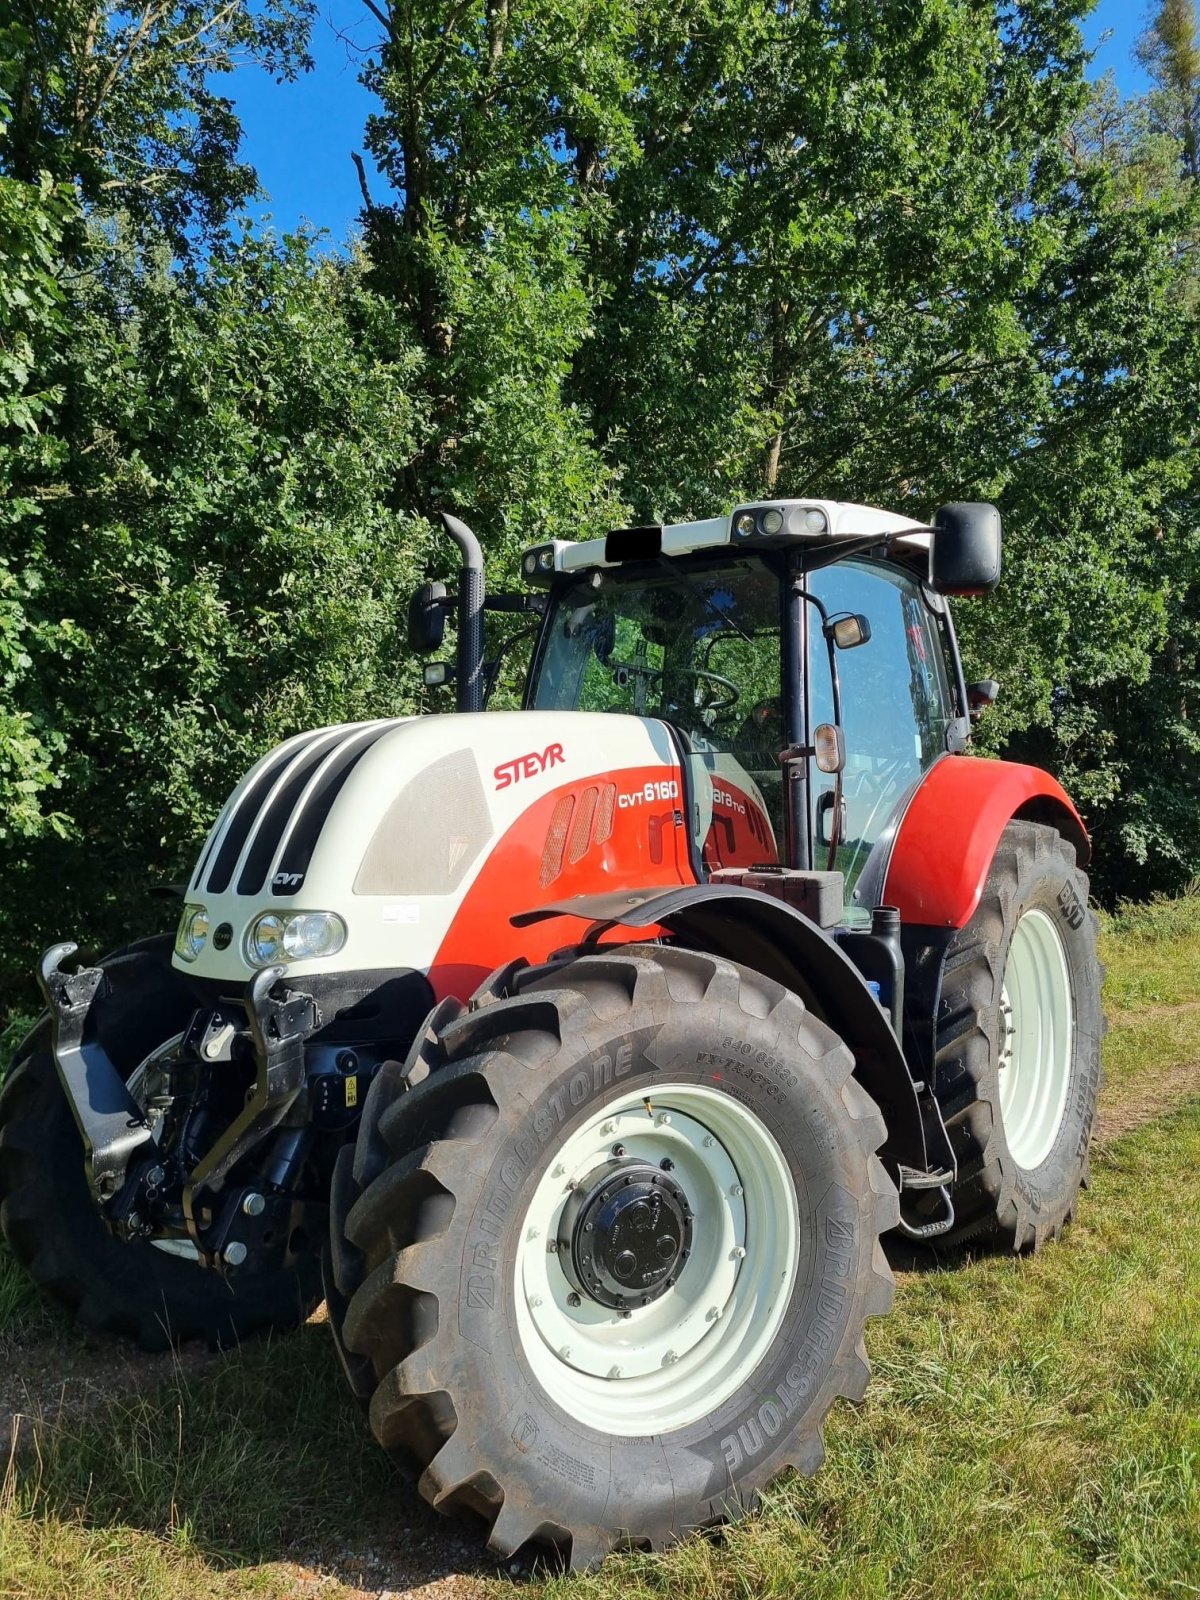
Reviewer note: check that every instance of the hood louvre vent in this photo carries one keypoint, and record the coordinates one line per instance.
(245, 812)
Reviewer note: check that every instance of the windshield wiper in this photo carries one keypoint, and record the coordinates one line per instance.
(721, 616)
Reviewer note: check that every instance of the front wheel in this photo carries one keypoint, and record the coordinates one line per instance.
(1018, 1058)
(603, 1273)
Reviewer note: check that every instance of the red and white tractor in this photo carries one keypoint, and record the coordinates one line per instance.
(595, 1046)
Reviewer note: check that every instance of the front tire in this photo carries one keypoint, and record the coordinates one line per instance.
(1018, 1045)
(523, 1382)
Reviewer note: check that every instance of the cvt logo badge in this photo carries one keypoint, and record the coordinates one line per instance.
(287, 882)
(528, 766)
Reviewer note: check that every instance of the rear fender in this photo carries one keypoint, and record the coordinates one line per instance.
(759, 931)
(952, 826)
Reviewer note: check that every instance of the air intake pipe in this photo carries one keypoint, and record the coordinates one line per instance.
(468, 675)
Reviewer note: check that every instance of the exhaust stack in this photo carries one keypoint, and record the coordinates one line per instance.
(469, 670)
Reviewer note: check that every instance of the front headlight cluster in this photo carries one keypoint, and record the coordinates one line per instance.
(294, 936)
(192, 933)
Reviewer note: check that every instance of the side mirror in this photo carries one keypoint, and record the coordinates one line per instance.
(964, 556)
(850, 631)
(427, 618)
(980, 696)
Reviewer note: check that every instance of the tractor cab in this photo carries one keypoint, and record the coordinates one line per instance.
(802, 654)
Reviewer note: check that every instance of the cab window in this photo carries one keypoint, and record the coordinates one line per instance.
(896, 702)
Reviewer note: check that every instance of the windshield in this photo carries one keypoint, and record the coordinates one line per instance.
(698, 647)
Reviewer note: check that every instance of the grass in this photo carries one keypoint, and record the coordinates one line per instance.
(1032, 1428)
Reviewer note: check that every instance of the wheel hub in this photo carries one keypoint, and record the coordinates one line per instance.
(624, 1232)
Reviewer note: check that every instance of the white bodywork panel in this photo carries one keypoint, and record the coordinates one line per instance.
(494, 767)
(844, 519)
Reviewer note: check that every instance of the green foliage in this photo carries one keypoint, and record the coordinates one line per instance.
(221, 543)
(620, 258)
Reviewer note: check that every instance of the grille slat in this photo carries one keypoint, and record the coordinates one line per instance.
(275, 815)
(246, 812)
(314, 810)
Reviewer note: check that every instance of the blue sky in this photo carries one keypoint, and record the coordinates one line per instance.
(300, 136)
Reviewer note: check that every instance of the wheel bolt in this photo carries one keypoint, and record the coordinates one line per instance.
(736, 1190)
(709, 1141)
(738, 1252)
(614, 1372)
(534, 1233)
(559, 1171)
(618, 1150)
(552, 1246)
(535, 1301)
(664, 1119)
(670, 1359)
(565, 1351)
(573, 1299)
(608, 1127)
(667, 1164)
(714, 1313)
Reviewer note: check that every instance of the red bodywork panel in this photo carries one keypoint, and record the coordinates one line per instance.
(949, 834)
(605, 831)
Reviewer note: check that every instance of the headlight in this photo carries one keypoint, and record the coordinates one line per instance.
(294, 936)
(193, 931)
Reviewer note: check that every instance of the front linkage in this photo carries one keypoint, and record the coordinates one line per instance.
(147, 1185)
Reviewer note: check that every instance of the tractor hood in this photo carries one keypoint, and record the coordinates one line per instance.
(402, 828)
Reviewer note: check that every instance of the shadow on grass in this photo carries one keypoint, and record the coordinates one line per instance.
(259, 1456)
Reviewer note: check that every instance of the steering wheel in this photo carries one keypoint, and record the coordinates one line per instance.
(726, 695)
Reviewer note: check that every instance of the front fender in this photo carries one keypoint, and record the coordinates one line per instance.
(759, 931)
(950, 830)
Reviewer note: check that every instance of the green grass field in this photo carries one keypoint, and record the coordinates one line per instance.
(1032, 1428)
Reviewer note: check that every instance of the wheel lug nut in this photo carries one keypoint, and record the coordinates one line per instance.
(559, 1171)
(738, 1252)
(534, 1233)
(565, 1351)
(667, 1164)
(670, 1359)
(608, 1127)
(714, 1313)
(618, 1150)
(709, 1141)
(535, 1301)
(552, 1246)
(736, 1190)
(573, 1299)
(664, 1119)
(614, 1372)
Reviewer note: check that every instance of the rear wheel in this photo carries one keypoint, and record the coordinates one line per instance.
(602, 1274)
(140, 1291)
(1018, 1058)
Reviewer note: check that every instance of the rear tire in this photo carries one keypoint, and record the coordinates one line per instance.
(52, 1225)
(1018, 1045)
(449, 1308)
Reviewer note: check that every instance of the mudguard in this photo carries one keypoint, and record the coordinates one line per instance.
(762, 932)
(948, 835)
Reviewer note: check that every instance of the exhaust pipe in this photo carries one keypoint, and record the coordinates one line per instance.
(469, 668)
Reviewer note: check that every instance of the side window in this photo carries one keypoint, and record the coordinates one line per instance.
(896, 704)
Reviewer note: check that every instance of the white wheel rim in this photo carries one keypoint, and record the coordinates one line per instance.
(662, 1366)
(1036, 1039)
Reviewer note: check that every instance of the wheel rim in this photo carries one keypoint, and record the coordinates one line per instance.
(1037, 1039)
(659, 1366)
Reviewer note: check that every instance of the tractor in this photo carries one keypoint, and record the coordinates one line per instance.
(582, 1057)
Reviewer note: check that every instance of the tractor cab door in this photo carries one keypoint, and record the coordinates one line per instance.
(897, 706)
